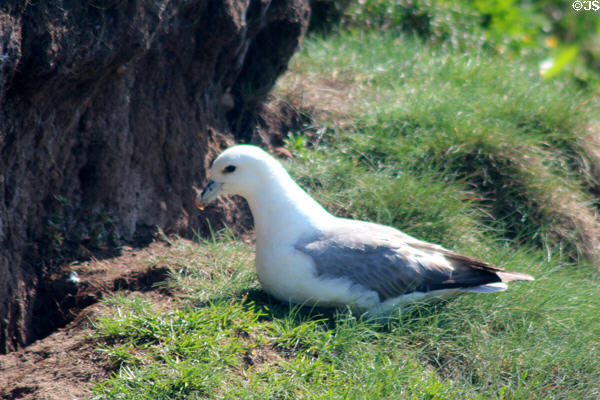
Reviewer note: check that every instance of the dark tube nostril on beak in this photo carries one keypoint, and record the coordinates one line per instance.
(208, 188)
(210, 192)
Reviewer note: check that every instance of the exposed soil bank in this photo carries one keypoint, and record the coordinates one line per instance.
(110, 111)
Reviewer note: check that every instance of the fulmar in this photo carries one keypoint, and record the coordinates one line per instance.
(307, 256)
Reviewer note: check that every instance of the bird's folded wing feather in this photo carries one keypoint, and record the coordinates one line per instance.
(390, 262)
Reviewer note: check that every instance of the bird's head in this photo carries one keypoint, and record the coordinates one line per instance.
(241, 170)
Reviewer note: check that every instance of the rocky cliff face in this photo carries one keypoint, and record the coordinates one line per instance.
(110, 110)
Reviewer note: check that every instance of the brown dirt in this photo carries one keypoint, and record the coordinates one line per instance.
(60, 366)
(65, 363)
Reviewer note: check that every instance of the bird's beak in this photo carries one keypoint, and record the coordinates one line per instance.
(210, 192)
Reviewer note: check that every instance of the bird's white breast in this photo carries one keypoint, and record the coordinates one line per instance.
(290, 276)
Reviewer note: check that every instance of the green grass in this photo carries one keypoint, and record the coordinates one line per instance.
(538, 340)
(489, 130)
(470, 151)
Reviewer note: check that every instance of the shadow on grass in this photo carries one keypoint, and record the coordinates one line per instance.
(269, 309)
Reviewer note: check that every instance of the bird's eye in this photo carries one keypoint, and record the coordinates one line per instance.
(229, 169)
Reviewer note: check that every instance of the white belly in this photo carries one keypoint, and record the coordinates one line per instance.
(290, 276)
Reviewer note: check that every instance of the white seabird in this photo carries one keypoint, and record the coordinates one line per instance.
(307, 256)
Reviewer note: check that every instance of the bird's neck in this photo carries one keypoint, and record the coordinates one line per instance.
(282, 211)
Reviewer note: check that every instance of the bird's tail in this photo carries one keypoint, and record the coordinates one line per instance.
(499, 286)
(513, 276)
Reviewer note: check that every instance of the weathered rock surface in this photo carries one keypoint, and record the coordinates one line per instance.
(110, 111)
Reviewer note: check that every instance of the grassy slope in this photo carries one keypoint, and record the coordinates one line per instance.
(473, 152)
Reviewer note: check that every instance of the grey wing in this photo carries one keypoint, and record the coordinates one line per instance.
(382, 259)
